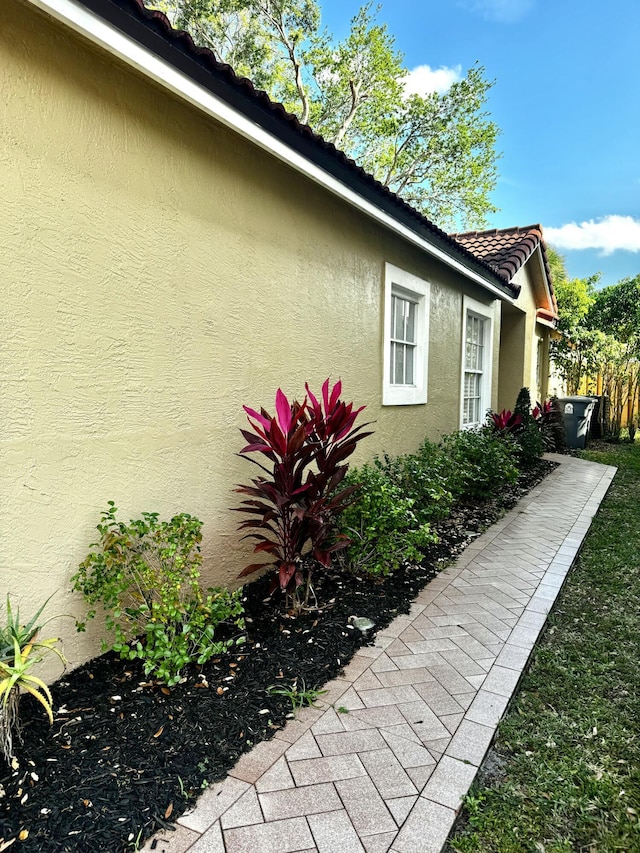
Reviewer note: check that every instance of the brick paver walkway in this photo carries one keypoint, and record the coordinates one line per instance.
(384, 760)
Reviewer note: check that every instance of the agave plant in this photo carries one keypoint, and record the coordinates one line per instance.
(293, 508)
(20, 651)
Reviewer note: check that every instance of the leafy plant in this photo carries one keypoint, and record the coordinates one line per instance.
(299, 695)
(505, 422)
(20, 651)
(479, 463)
(523, 403)
(382, 523)
(529, 437)
(293, 509)
(421, 477)
(145, 574)
(548, 417)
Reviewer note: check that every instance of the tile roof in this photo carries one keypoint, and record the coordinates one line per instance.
(506, 250)
(152, 28)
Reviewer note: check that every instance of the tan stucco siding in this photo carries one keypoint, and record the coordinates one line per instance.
(159, 273)
(519, 346)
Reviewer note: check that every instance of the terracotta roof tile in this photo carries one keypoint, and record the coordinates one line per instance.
(508, 249)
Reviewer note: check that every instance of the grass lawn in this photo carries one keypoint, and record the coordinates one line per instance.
(565, 772)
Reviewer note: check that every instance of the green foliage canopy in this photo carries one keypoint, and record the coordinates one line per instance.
(436, 150)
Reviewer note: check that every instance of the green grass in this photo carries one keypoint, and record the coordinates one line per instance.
(566, 776)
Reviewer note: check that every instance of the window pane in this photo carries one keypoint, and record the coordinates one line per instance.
(399, 367)
(410, 333)
(472, 357)
(398, 322)
(410, 353)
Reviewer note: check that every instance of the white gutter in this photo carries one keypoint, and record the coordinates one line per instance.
(102, 33)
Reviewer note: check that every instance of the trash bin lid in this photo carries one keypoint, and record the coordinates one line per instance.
(577, 399)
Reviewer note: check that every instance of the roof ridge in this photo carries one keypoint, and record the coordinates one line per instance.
(515, 229)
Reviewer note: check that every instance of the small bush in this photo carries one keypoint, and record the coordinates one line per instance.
(382, 523)
(421, 476)
(529, 436)
(478, 463)
(145, 574)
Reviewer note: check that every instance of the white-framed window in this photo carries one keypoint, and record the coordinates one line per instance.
(406, 338)
(477, 356)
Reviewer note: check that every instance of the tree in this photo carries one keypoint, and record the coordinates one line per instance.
(435, 150)
(616, 312)
(575, 352)
(575, 296)
(600, 337)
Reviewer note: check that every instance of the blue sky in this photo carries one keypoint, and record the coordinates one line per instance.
(567, 99)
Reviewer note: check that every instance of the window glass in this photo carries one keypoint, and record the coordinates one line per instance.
(474, 369)
(403, 344)
(406, 338)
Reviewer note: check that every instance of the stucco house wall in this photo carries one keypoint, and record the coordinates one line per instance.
(524, 345)
(160, 272)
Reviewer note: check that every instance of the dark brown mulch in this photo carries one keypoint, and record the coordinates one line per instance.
(125, 758)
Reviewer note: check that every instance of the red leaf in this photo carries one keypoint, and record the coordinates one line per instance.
(283, 411)
(285, 573)
(265, 421)
(312, 397)
(256, 448)
(335, 394)
(254, 567)
(323, 557)
(268, 546)
(325, 396)
(297, 439)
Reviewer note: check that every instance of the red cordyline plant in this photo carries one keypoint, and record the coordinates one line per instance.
(549, 421)
(543, 412)
(293, 507)
(505, 422)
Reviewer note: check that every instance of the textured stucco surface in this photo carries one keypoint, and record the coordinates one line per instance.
(519, 344)
(159, 272)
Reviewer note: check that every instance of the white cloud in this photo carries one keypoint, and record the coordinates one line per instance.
(609, 234)
(425, 79)
(502, 11)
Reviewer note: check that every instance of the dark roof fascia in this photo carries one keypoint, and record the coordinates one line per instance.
(151, 29)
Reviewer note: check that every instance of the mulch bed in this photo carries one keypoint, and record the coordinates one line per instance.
(125, 757)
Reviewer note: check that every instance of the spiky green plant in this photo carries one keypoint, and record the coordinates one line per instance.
(20, 651)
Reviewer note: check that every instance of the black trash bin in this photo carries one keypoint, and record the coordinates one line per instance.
(576, 415)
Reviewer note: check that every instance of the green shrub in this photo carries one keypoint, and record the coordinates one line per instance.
(529, 437)
(145, 574)
(421, 476)
(382, 523)
(478, 463)
(523, 403)
(530, 443)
